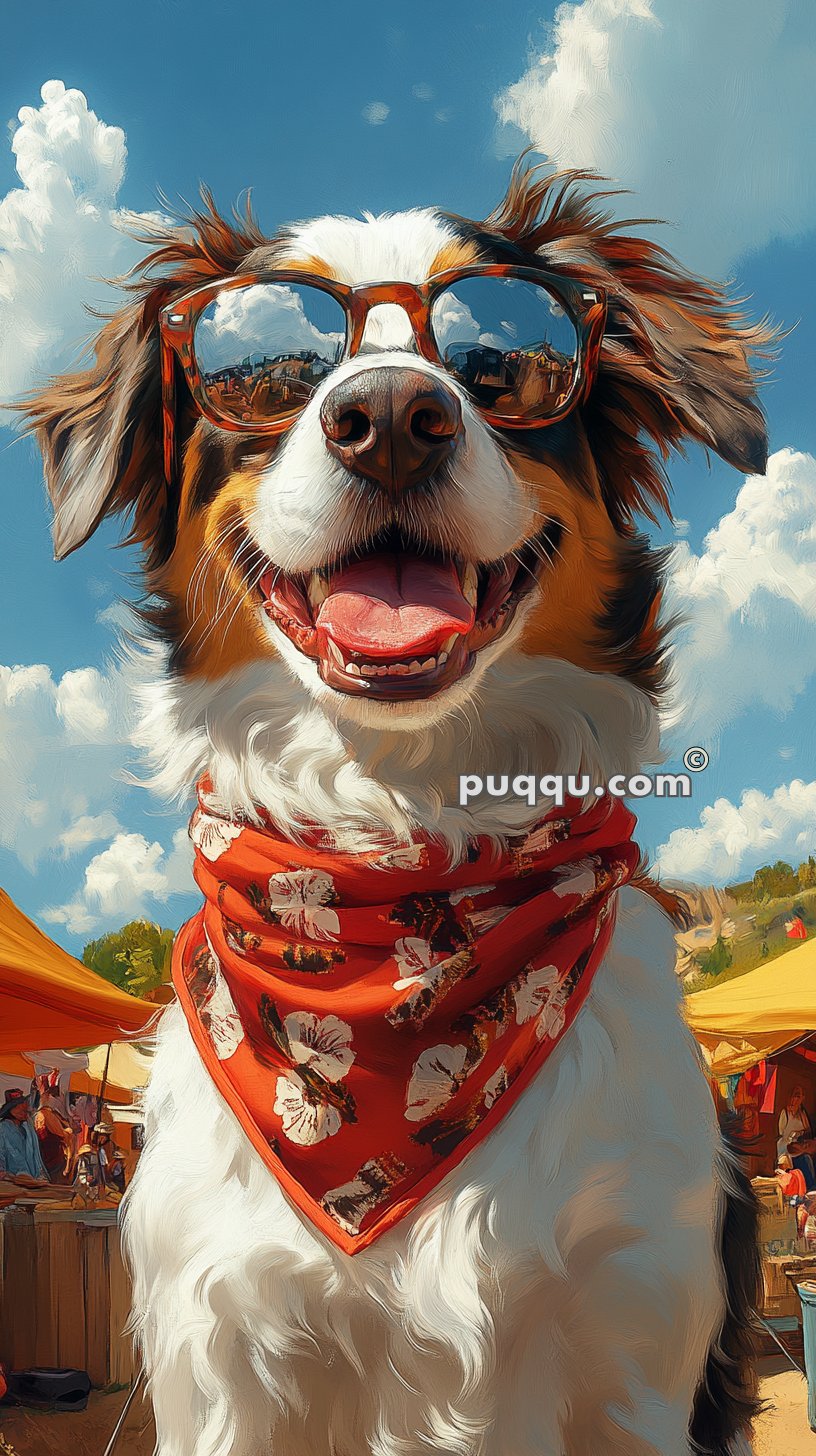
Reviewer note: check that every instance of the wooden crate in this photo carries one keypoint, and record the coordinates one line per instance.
(64, 1293)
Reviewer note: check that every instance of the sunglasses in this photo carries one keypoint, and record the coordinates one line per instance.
(523, 344)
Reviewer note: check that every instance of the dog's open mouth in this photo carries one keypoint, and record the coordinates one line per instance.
(402, 621)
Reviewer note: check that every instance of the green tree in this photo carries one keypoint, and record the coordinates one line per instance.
(806, 873)
(135, 958)
(773, 881)
(715, 960)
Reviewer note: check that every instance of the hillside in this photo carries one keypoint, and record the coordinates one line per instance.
(732, 933)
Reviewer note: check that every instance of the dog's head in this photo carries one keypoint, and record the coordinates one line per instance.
(392, 514)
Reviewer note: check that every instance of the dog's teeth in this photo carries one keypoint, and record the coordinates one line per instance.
(442, 659)
(335, 653)
(447, 645)
(415, 666)
(428, 664)
(352, 669)
(368, 669)
(318, 590)
(470, 584)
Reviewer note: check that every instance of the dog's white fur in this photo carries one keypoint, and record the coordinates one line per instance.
(558, 1293)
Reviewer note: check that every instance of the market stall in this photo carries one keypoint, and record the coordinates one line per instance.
(758, 1037)
(63, 1286)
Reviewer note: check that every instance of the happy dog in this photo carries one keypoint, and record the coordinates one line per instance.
(384, 474)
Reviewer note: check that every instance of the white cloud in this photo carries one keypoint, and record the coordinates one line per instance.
(422, 91)
(122, 880)
(87, 829)
(63, 744)
(60, 234)
(246, 321)
(749, 600)
(703, 109)
(736, 838)
(376, 113)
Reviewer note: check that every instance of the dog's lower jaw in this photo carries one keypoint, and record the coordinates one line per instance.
(556, 1296)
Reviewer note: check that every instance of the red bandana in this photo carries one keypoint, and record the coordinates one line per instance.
(369, 1019)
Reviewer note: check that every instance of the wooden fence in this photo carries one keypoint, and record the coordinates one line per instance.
(64, 1293)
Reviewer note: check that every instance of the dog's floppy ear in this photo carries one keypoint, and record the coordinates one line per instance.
(99, 431)
(692, 359)
(677, 356)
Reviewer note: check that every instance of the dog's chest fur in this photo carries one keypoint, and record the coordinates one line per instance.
(574, 1250)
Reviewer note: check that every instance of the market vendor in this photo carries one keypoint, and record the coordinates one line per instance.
(791, 1180)
(796, 1136)
(54, 1133)
(20, 1159)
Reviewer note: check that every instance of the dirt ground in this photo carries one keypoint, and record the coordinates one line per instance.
(782, 1431)
(85, 1433)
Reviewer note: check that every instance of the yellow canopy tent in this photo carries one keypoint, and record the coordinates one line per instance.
(740, 1022)
(48, 999)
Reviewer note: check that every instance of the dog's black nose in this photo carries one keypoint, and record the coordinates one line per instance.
(393, 425)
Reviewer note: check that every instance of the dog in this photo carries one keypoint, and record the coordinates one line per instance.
(582, 1281)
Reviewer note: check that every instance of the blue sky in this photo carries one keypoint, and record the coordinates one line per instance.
(705, 111)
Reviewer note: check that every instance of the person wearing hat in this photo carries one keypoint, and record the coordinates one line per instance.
(20, 1159)
(111, 1158)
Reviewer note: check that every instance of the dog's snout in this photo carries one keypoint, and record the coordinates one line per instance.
(395, 426)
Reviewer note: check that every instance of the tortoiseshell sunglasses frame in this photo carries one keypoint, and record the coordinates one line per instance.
(584, 306)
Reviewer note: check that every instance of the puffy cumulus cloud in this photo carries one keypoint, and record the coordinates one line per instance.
(735, 838)
(747, 603)
(63, 745)
(703, 110)
(61, 234)
(125, 881)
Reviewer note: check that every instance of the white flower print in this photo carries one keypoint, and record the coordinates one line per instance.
(212, 836)
(577, 878)
(304, 1120)
(322, 1043)
(221, 1018)
(300, 898)
(470, 892)
(411, 857)
(437, 1076)
(533, 989)
(495, 1086)
(554, 1014)
(415, 959)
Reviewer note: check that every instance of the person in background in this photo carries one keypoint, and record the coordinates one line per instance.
(20, 1158)
(111, 1158)
(53, 1131)
(791, 1180)
(796, 1136)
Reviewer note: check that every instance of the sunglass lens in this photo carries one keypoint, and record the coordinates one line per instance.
(262, 350)
(509, 342)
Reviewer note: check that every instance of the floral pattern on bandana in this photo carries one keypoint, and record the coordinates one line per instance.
(323, 1043)
(436, 1078)
(577, 879)
(304, 1118)
(301, 900)
(368, 1017)
(212, 836)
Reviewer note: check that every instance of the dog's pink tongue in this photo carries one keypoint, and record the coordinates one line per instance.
(395, 607)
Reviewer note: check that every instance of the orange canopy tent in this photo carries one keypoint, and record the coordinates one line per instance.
(48, 999)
